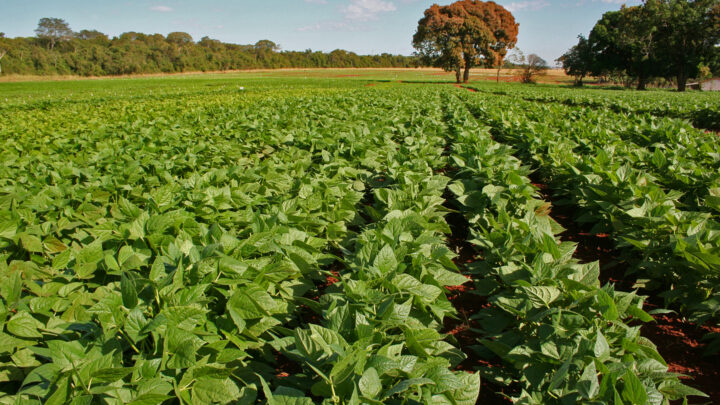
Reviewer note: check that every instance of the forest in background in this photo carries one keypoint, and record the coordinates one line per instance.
(59, 50)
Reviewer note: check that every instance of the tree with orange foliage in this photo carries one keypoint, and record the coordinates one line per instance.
(464, 34)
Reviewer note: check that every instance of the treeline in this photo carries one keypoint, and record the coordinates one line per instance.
(58, 50)
(660, 40)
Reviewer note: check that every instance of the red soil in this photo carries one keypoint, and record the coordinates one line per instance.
(467, 303)
(459, 86)
(285, 367)
(680, 344)
(333, 279)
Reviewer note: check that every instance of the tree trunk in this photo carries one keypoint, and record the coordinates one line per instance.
(642, 83)
(458, 73)
(681, 81)
(466, 75)
(497, 79)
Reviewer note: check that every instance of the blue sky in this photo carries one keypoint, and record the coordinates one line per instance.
(547, 27)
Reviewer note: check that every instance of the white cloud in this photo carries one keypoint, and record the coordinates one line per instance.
(161, 9)
(530, 5)
(324, 26)
(333, 26)
(356, 13)
(366, 10)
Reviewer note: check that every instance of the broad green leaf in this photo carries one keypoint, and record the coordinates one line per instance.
(404, 385)
(607, 305)
(676, 390)
(250, 302)
(633, 390)
(111, 374)
(61, 260)
(445, 380)
(12, 288)
(542, 296)
(213, 390)
(289, 396)
(60, 394)
(601, 348)
(31, 243)
(588, 386)
(128, 290)
(385, 260)
(469, 391)
(369, 384)
(560, 375)
(24, 325)
(149, 399)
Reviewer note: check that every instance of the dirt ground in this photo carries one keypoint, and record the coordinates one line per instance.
(555, 76)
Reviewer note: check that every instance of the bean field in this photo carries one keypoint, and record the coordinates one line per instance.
(381, 238)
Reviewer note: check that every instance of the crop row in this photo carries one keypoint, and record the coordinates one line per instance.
(675, 155)
(291, 248)
(380, 340)
(562, 336)
(137, 267)
(702, 110)
(669, 232)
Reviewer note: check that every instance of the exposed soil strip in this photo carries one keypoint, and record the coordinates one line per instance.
(463, 297)
(679, 342)
(468, 303)
(459, 86)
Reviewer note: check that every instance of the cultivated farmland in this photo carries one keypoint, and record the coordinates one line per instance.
(379, 238)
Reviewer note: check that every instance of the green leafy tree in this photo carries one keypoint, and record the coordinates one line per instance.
(627, 40)
(91, 35)
(714, 62)
(265, 45)
(93, 54)
(53, 30)
(660, 38)
(578, 61)
(179, 38)
(689, 33)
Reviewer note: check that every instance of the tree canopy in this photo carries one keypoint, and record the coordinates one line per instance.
(53, 30)
(660, 38)
(464, 34)
(179, 38)
(579, 60)
(59, 50)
